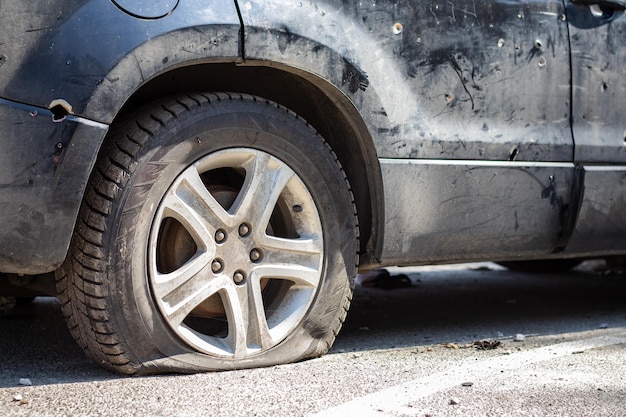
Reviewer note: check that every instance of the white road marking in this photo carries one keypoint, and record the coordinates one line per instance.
(394, 400)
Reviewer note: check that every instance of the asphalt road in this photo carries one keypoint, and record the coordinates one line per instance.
(402, 352)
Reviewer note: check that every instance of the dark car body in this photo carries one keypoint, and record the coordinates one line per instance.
(468, 129)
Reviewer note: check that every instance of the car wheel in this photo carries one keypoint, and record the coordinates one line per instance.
(543, 265)
(217, 232)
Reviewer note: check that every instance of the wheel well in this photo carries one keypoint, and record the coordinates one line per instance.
(324, 107)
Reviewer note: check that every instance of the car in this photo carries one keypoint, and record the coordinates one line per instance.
(199, 182)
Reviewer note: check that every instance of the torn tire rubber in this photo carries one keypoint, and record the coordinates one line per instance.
(218, 232)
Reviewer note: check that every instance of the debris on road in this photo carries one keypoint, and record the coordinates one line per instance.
(19, 399)
(456, 346)
(478, 344)
(25, 381)
(486, 344)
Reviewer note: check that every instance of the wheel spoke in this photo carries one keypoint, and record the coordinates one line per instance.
(295, 259)
(166, 283)
(299, 275)
(265, 180)
(190, 203)
(183, 290)
(247, 324)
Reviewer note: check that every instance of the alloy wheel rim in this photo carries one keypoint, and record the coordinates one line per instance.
(236, 253)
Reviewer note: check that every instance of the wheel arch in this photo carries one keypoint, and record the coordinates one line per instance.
(320, 103)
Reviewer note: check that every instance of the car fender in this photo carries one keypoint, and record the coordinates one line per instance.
(331, 45)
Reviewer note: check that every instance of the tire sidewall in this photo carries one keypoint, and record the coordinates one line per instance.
(176, 146)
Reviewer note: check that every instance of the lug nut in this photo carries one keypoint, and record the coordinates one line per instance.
(220, 236)
(216, 266)
(244, 230)
(238, 277)
(255, 255)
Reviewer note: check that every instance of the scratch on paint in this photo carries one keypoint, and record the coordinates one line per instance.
(453, 16)
(433, 13)
(474, 13)
(459, 73)
(454, 8)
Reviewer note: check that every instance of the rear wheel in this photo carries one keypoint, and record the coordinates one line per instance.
(218, 232)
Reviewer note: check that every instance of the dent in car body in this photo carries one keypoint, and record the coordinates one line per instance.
(93, 56)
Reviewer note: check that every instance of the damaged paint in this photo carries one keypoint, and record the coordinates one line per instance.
(60, 109)
(41, 179)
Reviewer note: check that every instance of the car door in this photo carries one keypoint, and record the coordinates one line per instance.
(598, 122)
(488, 173)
